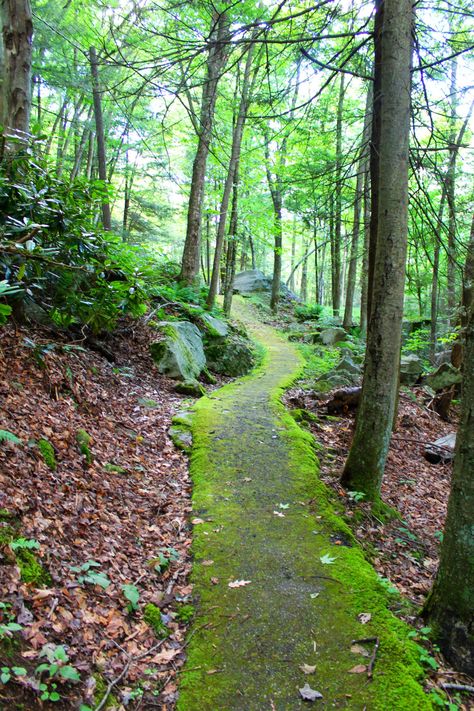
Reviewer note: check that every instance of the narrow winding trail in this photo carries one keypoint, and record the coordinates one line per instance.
(267, 520)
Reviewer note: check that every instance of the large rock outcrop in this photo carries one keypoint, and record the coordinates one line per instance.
(253, 280)
(180, 354)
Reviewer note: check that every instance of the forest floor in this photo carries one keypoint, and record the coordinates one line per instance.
(123, 503)
(288, 609)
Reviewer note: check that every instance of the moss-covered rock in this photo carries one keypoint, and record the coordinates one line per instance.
(31, 570)
(180, 354)
(231, 356)
(84, 439)
(191, 387)
(152, 616)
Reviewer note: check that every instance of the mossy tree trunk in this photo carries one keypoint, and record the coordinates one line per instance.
(366, 462)
(451, 603)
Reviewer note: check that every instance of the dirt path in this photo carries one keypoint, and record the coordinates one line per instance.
(267, 520)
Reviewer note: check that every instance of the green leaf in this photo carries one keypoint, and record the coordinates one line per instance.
(68, 672)
(327, 559)
(5, 677)
(97, 579)
(6, 436)
(24, 543)
(132, 594)
(54, 696)
(19, 671)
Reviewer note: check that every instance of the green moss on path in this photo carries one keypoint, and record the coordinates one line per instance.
(250, 459)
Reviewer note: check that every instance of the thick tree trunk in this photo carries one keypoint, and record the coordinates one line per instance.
(215, 64)
(451, 603)
(100, 135)
(232, 246)
(366, 462)
(451, 196)
(364, 281)
(17, 36)
(229, 182)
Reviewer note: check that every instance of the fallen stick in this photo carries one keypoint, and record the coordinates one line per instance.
(376, 642)
(458, 687)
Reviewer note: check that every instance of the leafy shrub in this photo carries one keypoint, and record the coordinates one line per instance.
(308, 313)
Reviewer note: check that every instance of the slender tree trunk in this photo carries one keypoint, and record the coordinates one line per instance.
(451, 195)
(100, 135)
(366, 462)
(232, 246)
(451, 603)
(17, 35)
(63, 146)
(215, 64)
(291, 282)
(229, 182)
(336, 251)
(317, 295)
(304, 274)
(81, 147)
(361, 172)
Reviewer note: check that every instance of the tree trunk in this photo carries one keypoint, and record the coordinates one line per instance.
(365, 259)
(215, 64)
(17, 33)
(229, 182)
(451, 603)
(304, 274)
(100, 135)
(366, 462)
(336, 251)
(232, 246)
(451, 197)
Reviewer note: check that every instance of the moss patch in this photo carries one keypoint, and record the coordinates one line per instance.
(269, 520)
(31, 571)
(152, 616)
(84, 439)
(47, 452)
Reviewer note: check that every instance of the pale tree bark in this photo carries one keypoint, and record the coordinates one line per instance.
(361, 170)
(100, 136)
(365, 465)
(304, 274)
(231, 259)
(216, 61)
(451, 602)
(17, 38)
(238, 133)
(364, 280)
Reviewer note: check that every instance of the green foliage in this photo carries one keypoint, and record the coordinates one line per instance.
(48, 454)
(31, 571)
(5, 291)
(84, 439)
(57, 663)
(7, 621)
(24, 543)
(6, 436)
(165, 557)
(152, 616)
(132, 594)
(417, 342)
(87, 574)
(185, 613)
(308, 313)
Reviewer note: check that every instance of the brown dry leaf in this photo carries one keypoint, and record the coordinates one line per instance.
(239, 583)
(307, 669)
(165, 656)
(358, 669)
(359, 649)
(215, 581)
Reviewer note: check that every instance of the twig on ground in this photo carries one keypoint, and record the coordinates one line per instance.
(371, 663)
(458, 687)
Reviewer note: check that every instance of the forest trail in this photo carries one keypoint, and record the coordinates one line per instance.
(261, 516)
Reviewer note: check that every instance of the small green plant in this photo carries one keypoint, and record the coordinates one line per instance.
(6, 673)
(132, 594)
(6, 290)
(152, 616)
(84, 439)
(24, 544)
(165, 557)
(6, 436)
(48, 454)
(7, 621)
(308, 313)
(57, 664)
(356, 495)
(185, 613)
(87, 574)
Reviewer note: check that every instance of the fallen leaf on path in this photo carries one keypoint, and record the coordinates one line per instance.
(359, 649)
(239, 583)
(309, 694)
(215, 581)
(246, 479)
(327, 559)
(197, 521)
(358, 669)
(307, 669)
(364, 617)
(313, 596)
(207, 562)
(278, 513)
(284, 506)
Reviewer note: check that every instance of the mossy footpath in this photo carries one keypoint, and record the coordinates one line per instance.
(269, 520)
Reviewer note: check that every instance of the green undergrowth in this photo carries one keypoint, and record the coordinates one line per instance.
(31, 570)
(357, 589)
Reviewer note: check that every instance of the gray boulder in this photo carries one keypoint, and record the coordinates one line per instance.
(214, 326)
(411, 367)
(347, 365)
(231, 356)
(443, 377)
(253, 280)
(331, 336)
(180, 354)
